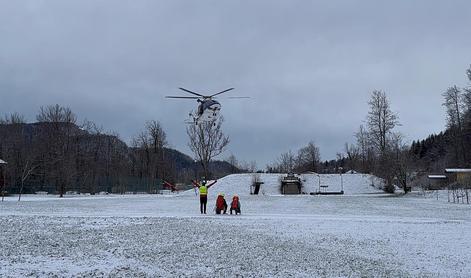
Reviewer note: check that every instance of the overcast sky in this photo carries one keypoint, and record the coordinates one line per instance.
(308, 66)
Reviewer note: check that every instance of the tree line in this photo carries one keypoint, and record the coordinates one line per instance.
(378, 149)
(306, 159)
(58, 154)
(381, 150)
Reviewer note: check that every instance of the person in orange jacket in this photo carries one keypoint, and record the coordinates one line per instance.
(235, 205)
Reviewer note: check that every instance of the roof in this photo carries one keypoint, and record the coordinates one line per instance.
(3, 162)
(437, 177)
(309, 172)
(458, 170)
(351, 172)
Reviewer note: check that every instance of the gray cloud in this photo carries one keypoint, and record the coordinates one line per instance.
(309, 66)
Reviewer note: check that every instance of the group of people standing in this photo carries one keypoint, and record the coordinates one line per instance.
(221, 204)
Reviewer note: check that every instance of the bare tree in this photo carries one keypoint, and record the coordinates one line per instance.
(157, 135)
(92, 152)
(158, 142)
(381, 120)
(13, 118)
(286, 162)
(252, 166)
(59, 136)
(365, 149)
(353, 156)
(118, 162)
(56, 114)
(28, 169)
(399, 162)
(142, 144)
(206, 141)
(455, 109)
(308, 158)
(467, 95)
(232, 160)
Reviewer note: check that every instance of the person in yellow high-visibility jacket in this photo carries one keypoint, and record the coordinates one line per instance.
(203, 190)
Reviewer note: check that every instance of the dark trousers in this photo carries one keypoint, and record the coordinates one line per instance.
(219, 211)
(237, 210)
(203, 202)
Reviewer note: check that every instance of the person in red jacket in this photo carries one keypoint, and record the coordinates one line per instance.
(221, 205)
(235, 204)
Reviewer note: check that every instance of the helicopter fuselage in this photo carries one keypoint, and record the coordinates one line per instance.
(207, 111)
(209, 106)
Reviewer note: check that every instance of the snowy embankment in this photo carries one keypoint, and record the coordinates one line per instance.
(352, 184)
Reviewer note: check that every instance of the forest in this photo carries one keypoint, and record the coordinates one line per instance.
(56, 154)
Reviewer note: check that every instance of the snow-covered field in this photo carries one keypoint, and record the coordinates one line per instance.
(360, 235)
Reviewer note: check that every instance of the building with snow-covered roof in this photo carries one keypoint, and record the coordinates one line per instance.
(437, 182)
(459, 175)
(457, 170)
(352, 172)
(437, 177)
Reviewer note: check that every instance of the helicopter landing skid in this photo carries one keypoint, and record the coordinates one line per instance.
(199, 121)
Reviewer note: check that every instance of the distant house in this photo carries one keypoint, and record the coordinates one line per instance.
(460, 183)
(437, 182)
(459, 175)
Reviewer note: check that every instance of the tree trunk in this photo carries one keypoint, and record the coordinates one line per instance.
(3, 184)
(21, 189)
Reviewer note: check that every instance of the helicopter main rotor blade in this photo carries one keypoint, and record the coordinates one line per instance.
(188, 91)
(237, 97)
(222, 92)
(182, 97)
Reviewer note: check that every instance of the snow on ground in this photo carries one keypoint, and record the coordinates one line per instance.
(352, 184)
(369, 235)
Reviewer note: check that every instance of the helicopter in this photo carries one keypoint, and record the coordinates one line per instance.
(208, 108)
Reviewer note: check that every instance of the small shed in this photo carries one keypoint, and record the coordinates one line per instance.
(291, 185)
